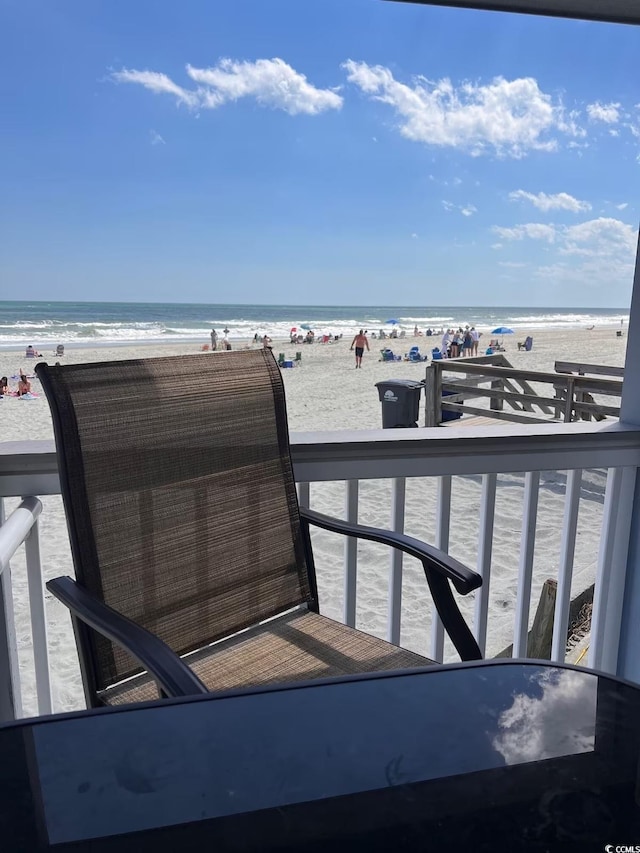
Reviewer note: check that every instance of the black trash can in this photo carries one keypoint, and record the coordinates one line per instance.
(400, 400)
(447, 415)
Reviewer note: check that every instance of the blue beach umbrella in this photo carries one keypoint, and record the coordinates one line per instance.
(393, 322)
(502, 330)
(305, 326)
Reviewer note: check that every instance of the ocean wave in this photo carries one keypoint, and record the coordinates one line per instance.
(123, 323)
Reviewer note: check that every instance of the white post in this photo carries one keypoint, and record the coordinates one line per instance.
(525, 571)
(612, 562)
(10, 694)
(38, 620)
(628, 658)
(485, 548)
(443, 519)
(398, 490)
(565, 574)
(351, 556)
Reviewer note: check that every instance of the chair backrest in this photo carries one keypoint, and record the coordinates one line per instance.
(179, 493)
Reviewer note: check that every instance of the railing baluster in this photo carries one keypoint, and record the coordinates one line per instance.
(611, 574)
(443, 519)
(398, 491)
(38, 620)
(485, 545)
(525, 569)
(567, 550)
(304, 494)
(351, 555)
(10, 692)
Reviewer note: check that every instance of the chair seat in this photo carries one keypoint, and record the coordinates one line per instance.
(294, 647)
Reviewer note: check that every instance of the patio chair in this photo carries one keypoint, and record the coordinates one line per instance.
(193, 562)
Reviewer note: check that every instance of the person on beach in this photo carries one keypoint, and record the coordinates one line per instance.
(475, 339)
(214, 340)
(360, 342)
(4, 386)
(24, 386)
(266, 342)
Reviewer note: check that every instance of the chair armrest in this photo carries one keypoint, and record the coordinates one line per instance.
(439, 568)
(172, 675)
(464, 579)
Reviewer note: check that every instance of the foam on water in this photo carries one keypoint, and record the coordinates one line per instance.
(46, 323)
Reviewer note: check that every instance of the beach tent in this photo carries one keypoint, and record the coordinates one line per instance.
(614, 11)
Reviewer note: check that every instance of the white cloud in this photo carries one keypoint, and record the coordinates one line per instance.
(556, 719)
(602, 237)
(597, 252)
(591, 237)
(511, 264)
(507, 117)
(607, 113)
(496, 246)
(157, 83)
(156, 139)
(622, 206)
(414, 236)
(272, 82)
(532, 230)
(465, 209)
(557, 201)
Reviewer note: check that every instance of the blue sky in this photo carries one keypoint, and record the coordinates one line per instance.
(318, 152)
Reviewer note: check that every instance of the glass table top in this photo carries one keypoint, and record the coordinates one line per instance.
(491, 754)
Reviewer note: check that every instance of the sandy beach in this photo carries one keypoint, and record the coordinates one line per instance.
(325, 392)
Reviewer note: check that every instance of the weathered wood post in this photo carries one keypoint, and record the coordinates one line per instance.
(497, 403)
(433, 395)
(541, 634)
(568, 403)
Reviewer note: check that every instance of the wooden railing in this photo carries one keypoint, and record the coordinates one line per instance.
(572, 392)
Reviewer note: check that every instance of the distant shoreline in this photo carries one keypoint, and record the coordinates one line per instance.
(48, 347)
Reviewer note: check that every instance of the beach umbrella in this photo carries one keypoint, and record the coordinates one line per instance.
(305, 326)
(393, 322)
(502, 330)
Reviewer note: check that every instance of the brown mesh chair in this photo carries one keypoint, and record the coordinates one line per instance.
(193, 562)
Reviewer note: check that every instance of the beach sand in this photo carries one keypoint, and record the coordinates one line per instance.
(326, 393)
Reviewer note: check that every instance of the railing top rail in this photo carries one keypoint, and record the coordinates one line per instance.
(370, 454)
(30, 467)
(606, 386)
(583, 367)
(16, 528)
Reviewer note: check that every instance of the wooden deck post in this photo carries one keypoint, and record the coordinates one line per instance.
(568, 403)
(433, 395)
(541, 634)
(497, 403)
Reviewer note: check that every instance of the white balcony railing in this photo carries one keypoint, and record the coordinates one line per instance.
(337, 467)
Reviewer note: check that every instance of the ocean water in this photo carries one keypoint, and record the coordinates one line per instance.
(81, 323)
